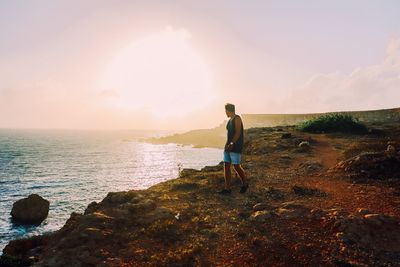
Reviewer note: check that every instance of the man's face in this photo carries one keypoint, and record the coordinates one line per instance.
(228, 113)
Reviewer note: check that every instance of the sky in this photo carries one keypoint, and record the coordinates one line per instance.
(172, 65)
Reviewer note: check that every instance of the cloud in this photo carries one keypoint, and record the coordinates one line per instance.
(370, 87)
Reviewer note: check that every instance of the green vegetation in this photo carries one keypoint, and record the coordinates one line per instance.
(332, 123)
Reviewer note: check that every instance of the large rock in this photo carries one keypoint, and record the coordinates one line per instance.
(383, 165)
(31, 210)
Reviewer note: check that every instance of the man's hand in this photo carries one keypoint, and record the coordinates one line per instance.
(229, 147)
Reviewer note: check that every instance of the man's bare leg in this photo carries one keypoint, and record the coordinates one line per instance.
(239, 170)
(227, 175)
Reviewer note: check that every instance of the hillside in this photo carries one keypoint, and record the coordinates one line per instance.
(199, 138)
(216, 137)
(335, 202)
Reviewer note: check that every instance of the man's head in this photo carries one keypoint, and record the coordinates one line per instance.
(229, 109)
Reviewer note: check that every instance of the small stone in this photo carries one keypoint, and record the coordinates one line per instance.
(260, 242)
(261, 216)
(363, 211)
(261, 206)
(292, 205)
(390, 150)
(339, 235)
(304, 144)
(289, 213)
(274, 193)
(307, 191)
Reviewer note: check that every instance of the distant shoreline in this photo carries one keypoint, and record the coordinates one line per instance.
(215, 137)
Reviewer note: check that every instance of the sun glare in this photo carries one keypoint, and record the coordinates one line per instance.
(161, 74)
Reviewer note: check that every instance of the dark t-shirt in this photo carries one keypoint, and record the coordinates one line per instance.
(230, 127)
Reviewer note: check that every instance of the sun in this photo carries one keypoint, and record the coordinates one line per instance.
(161, 74)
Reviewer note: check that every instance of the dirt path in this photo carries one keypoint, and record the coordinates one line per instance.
(324, 150)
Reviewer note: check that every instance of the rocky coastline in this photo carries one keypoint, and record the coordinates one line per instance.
(327, 202)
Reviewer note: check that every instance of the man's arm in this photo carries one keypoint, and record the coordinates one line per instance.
(238, 129)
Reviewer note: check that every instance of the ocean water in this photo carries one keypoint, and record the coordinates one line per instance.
(72, 168)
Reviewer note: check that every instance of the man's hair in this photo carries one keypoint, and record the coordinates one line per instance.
(230, 107)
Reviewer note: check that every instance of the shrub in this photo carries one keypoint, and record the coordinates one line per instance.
(332, 123)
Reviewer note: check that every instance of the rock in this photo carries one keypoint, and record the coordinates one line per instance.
(261, 206)
(261, 242)
(141, 207)
(92, 207)
(305, 145)
(306, 191)
(372, 231)
(274, 193)
(92, 233)
(121, 197)
(372, 165)
(215, 168)
(363, 211)
(291, 205)
(337, 213)
(21, 247)
(160, 213)
(31, 210)
(286, 135)
(289, 213)
(310, 166)
(390, 151)
(291, 210)
(261, 216)
(317, 213)
(376, 219)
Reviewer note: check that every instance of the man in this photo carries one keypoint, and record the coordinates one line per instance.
(233, 150)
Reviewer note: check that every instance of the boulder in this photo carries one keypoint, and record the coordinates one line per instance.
(31, 210)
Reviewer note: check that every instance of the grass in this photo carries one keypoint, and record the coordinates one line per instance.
(332, 123)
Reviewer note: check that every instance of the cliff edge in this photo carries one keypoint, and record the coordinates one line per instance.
(329, 203)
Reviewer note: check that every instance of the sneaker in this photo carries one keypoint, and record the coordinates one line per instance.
(225, 192)
(243, 189)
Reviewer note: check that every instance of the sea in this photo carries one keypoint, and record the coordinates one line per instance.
(72, 168)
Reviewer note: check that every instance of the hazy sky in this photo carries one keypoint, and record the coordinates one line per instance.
(174, 64)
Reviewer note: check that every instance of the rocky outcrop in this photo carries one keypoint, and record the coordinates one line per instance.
(364, 230)
(31, 210)
(372, 165)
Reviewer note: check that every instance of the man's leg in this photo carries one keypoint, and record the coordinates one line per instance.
(241, 173)
(227, 175)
